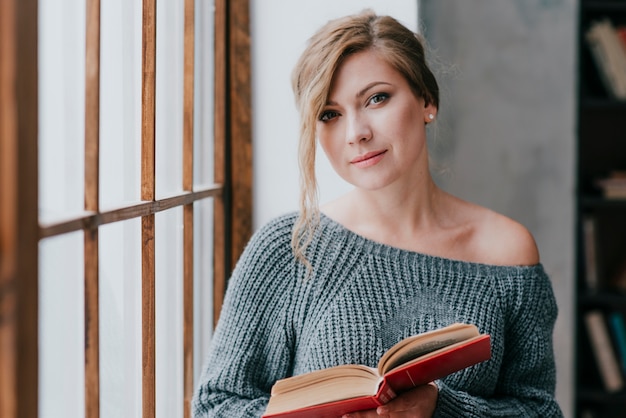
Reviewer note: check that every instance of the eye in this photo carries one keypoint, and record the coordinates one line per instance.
(328, 115)
(378, 98)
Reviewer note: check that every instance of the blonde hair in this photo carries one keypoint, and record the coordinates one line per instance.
(311, 80)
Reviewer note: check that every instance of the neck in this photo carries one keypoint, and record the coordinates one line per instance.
(396, 210)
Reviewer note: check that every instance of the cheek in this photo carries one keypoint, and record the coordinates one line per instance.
(408, 118)
(329, 142)
(408, 126)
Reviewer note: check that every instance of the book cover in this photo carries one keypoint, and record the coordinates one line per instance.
(602, 347)
(621, 34)
(616, 321)
(590, 241)
(609, 56)
(344, 393)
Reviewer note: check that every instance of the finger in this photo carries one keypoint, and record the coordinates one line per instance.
(421, 400)
(371, 413)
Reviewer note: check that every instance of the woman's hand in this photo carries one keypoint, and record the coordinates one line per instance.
(416, 403)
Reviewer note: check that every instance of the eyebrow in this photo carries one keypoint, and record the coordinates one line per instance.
(369, 86)
(362, 92)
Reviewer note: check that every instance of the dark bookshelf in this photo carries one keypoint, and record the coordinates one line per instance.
(599, 396)
(599, 202)
(601, 150)
(599, 405)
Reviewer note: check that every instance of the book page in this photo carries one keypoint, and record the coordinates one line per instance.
(343, 373)
(418, 345)
(323, 386)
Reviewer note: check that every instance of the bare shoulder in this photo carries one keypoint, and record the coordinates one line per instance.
(504, 241)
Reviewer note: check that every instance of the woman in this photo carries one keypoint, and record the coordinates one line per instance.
(394, 257)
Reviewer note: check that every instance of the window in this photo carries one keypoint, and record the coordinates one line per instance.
(125, 199)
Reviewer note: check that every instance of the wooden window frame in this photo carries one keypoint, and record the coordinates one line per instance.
(21, 231)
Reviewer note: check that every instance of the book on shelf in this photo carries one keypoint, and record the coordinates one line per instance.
(609, 56)
(618, 280)
(414, 361)
(602, 347)
(618, 330)
(587, 413)
(621, 34)
(590, 244)
(613, 186)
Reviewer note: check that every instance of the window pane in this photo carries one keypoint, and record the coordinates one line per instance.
(204, 93)
(169, 313)
(169, 97)
(61, 108)
(120, 102)
(61, 327)
(203, 282)
(120, 319)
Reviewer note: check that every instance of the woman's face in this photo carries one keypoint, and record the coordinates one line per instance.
(372, 128)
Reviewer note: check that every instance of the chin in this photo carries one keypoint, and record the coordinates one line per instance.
(371, 186)
(368, 182)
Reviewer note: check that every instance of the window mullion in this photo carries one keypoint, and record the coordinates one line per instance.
(239, 121)
(148, 91)
(188, 210)
(19, 259)
(220, 213)
(92, 159)
(233, 140)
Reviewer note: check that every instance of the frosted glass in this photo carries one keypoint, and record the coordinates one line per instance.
(61, 327)
(204, 94)
(203, 282)
(169, 97)
(120, 102)
(120, 320)
(61, 108)
(169, 313)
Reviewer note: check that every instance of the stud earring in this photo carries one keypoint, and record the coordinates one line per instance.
(431, 116)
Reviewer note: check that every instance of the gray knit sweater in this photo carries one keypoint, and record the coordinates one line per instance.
(362, 298)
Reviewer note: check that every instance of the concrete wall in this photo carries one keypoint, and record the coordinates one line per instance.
(505, 132)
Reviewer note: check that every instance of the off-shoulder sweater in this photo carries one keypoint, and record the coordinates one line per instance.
(361, 298)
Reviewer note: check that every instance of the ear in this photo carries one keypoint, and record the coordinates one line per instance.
(430, 113)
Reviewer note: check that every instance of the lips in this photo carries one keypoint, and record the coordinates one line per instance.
(368, 159)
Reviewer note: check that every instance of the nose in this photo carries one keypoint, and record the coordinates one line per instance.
(358, 129)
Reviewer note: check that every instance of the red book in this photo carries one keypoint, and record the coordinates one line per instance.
(621, 34)
(414, 361)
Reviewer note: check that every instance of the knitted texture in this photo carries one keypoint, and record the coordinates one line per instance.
(363, 297)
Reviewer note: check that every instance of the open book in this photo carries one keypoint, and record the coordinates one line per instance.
(414, 361)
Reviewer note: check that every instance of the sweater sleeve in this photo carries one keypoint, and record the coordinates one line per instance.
(250, 349)
(527, 378)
